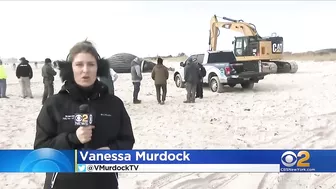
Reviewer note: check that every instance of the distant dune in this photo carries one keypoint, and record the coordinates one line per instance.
(319, 55)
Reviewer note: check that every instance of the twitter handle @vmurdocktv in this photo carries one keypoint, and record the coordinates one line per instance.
(107, 168)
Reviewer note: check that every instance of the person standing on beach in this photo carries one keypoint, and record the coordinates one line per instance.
(114, 75)
(160, 76)
(110, 128)
(109, 80)
(136, 74)
(48, 74)
(3, 83)
(199, 88)
(55, 64)
(24, 73)
(191, 77)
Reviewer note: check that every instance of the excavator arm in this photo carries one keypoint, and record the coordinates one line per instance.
(247, 29)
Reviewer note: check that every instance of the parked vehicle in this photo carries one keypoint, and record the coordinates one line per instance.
(222, 69)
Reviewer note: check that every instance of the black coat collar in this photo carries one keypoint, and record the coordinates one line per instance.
(78, 94)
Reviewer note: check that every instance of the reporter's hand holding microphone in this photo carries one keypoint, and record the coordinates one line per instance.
(84, 133)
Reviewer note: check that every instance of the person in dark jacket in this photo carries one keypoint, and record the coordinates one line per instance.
(48, 74)
(111, 127)
(191, 77)
(136, 73)
(160, 76)
(199, 87)
(55, 64)
(24, 73)
(109, 81)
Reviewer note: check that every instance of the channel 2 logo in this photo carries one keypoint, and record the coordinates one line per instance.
(46, 160)
(290, 159)
(83, 119)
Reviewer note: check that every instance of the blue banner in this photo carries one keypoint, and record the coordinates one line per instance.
(289, 160)
(50, 160)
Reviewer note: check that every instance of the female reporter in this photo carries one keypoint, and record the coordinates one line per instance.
(55, 125)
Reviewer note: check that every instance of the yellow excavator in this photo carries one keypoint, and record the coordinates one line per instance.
(251, 46)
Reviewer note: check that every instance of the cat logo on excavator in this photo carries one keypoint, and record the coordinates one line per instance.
(277, 48)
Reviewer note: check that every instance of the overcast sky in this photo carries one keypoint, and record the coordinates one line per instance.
(40, 29)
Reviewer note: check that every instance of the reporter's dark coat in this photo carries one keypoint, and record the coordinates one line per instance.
(55, 128)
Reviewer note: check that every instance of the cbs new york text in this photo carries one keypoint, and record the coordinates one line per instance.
(297, 169)
(107, 168)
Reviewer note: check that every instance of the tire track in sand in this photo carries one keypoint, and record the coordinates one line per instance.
(310, 180)
(164, 180)
(189, 181)
(215, 181)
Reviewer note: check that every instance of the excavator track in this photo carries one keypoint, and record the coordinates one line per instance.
(294, 67)
(269, 67)
(286, 67)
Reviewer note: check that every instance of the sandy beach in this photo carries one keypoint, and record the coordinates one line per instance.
(282, 111)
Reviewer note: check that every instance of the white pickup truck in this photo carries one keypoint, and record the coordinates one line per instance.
(223, 69)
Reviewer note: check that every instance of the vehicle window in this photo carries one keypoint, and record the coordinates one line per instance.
(239, 52)
(187, 59)
(245, 43)
(200, 58)
(239, 43)
(239, 47)
(193, 57)
(220, 57)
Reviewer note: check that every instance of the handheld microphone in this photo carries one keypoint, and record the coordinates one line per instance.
(83, 118)
(84, 108)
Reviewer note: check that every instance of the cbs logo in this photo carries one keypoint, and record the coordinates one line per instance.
(82, 117)
(290, 159)
(46, 160)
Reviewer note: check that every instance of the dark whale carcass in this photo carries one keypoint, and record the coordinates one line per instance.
(121, 63)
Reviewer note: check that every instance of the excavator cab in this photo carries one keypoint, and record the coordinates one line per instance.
(246, 46)
(261, 48)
